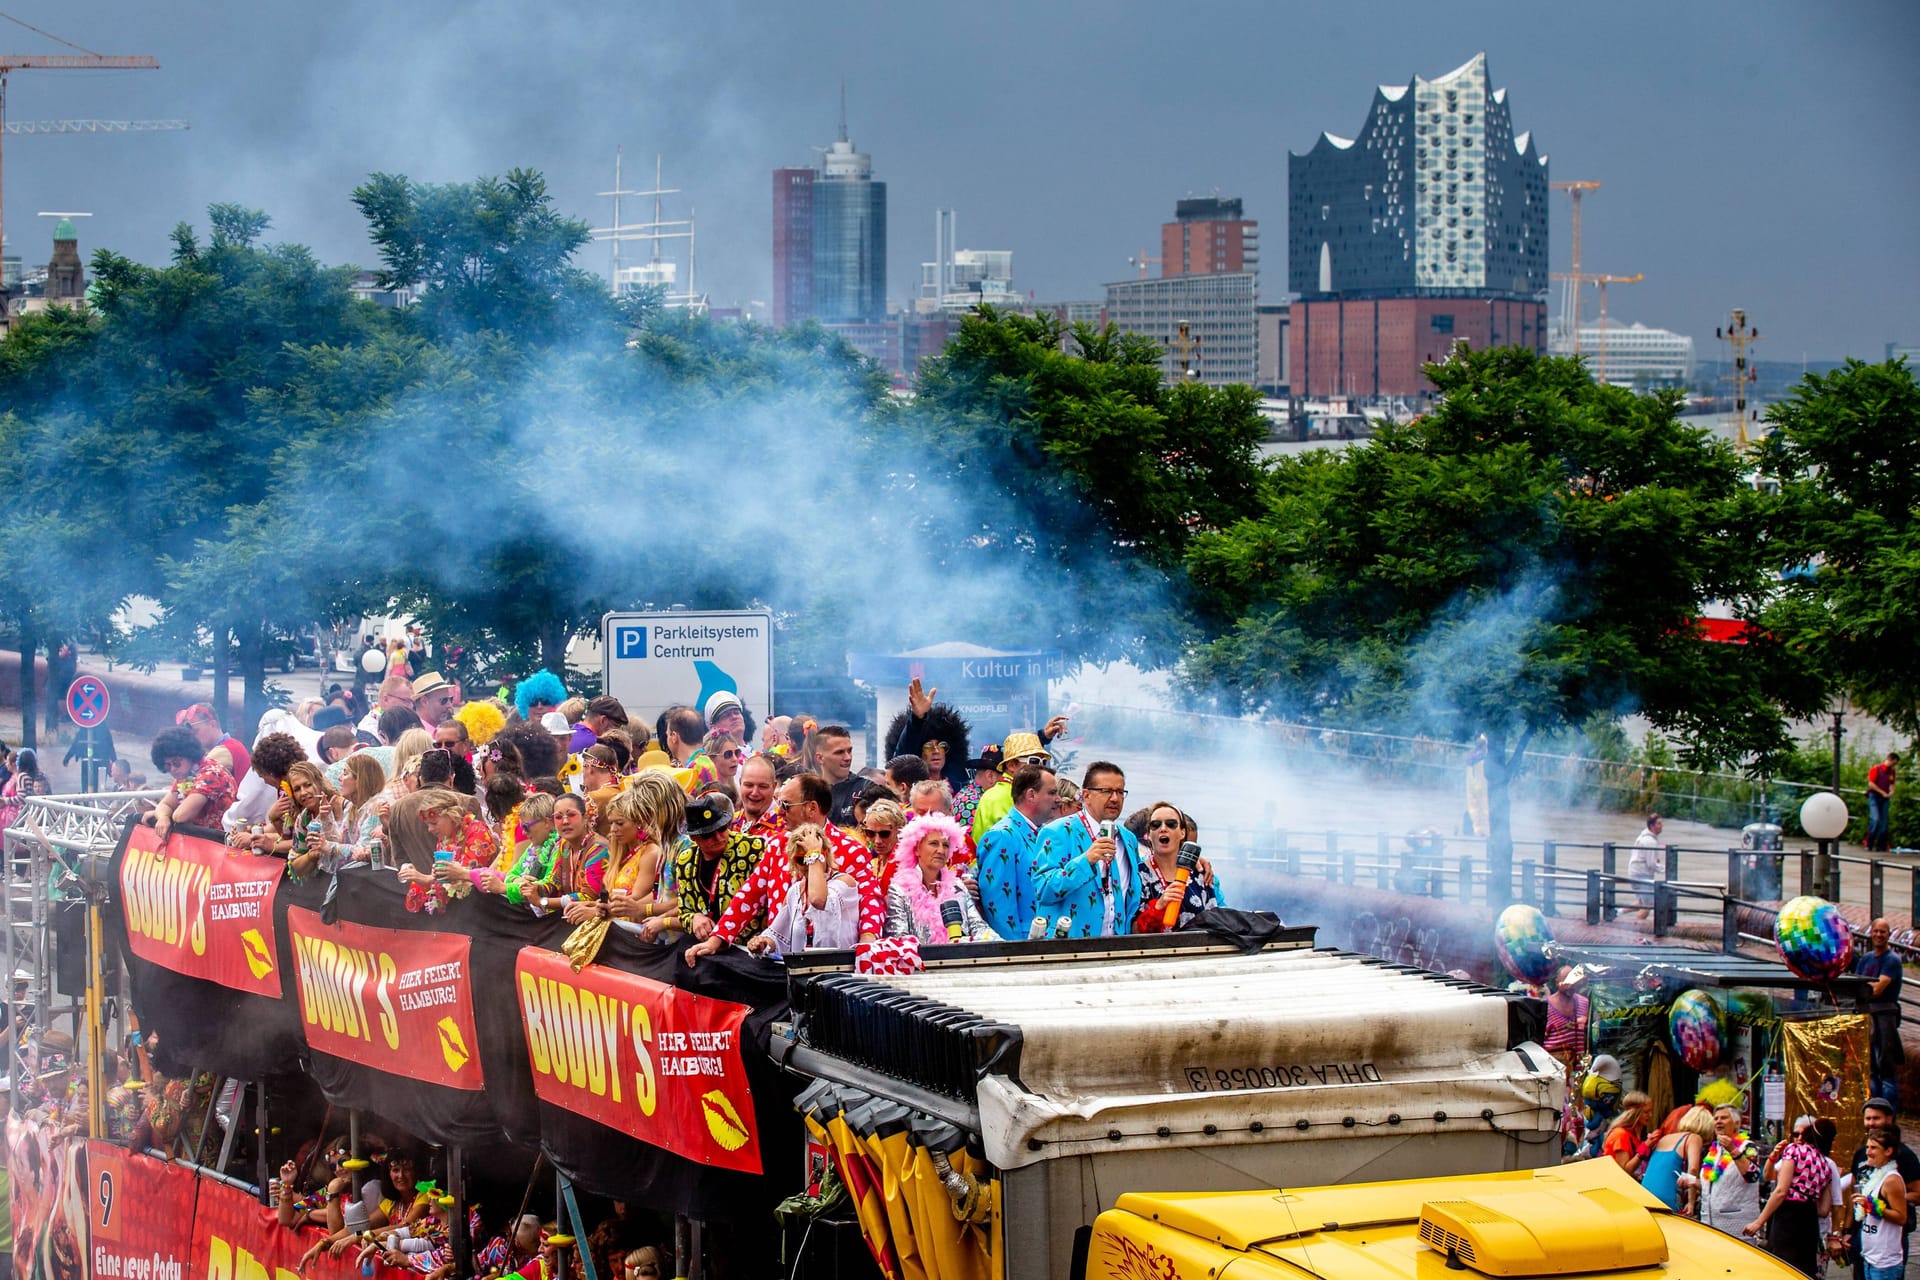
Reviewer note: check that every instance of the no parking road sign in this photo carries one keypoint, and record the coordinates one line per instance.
(88, 702)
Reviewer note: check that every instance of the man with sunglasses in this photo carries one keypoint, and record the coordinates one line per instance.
(997, 801)
(1081, 871)
(1005, 859)
(804, 800)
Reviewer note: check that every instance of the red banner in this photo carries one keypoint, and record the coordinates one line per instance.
(197, 909)
(391, 999)
(138, 1211)
(234, 1238)
(654, 1062)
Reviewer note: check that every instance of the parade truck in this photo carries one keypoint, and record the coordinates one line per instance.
(986, 1112)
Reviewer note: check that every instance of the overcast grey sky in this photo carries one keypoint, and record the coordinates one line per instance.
(1759, 154)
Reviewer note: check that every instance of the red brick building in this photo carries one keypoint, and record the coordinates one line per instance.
(1377, 346)
(1209, 236)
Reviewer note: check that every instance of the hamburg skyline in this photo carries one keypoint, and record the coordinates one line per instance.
(1759, 156)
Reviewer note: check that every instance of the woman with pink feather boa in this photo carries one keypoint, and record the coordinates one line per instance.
(923, 884)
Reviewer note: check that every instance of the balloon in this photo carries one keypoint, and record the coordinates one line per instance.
(1814, 938)
(1693, 1024)
(372, 660)
(1522, 940)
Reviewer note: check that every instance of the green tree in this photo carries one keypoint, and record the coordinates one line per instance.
(1084, 473)
(1845, 452)
(140, 418)
(1533, 552)
(492, 254)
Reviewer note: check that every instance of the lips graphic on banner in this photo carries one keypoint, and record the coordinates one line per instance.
(660, 1064)
(392, 999)
(194, 908)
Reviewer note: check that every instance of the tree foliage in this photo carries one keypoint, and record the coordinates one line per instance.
(1099, 475)
(1845, 451)
(1532, 553)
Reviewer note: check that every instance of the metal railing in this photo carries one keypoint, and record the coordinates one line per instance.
(42, 847)
(1710, 887)
(1718, 799)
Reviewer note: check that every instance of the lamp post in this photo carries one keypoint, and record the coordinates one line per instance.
(1824, 817)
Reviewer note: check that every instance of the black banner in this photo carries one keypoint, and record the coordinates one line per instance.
(205, 1025)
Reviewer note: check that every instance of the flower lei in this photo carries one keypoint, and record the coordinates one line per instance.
(1718, 1159)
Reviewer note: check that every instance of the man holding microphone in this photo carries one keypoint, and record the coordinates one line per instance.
(1086, 866)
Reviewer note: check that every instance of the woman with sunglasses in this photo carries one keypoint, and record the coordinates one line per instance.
(1167, 829)
(726, 753)
(822, 903)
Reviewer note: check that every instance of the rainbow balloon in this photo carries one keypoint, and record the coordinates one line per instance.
(1522, 940)
(1694, 1026)
(1814, 938)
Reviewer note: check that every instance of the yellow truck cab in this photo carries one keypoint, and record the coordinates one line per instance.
(1570, 1221)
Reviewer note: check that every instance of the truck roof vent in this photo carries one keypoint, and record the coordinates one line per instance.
(1544, 1231)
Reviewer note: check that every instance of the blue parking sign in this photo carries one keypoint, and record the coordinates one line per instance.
(630, 642)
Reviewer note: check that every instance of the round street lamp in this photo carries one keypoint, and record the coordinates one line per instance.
(1824, 817)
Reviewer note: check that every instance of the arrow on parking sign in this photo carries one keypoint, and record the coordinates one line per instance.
(88, 702)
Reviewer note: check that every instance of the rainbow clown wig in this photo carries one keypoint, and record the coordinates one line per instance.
(541, 686)
(906, 867)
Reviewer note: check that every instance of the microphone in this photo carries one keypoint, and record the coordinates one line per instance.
(1106, 866)
(1062, 926)
(950, 914)
(1183, 872)
(1038, 929)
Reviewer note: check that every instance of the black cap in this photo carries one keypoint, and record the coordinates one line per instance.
(708, 814)
(327, 717)
(989, 758)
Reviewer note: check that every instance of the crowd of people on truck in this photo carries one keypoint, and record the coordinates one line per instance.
(706, 827)
(700, 826)
(697, 825)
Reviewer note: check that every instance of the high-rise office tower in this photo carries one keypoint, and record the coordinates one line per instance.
(830, 239)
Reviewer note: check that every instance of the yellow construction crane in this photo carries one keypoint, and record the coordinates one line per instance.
(1575, 189)
(1141, 260)
(1603, 281)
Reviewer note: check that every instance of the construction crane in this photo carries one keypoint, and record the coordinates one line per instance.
(1603, 281)
(1141, 260)
(92, 126)
(1574, 189)
(82, 61)
(1740, 335)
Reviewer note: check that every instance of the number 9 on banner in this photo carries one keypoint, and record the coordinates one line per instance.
(108, 1174)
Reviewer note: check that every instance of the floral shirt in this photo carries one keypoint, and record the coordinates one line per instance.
(213, 780)
(767, 826)
(1202, 895)
(472, 848)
